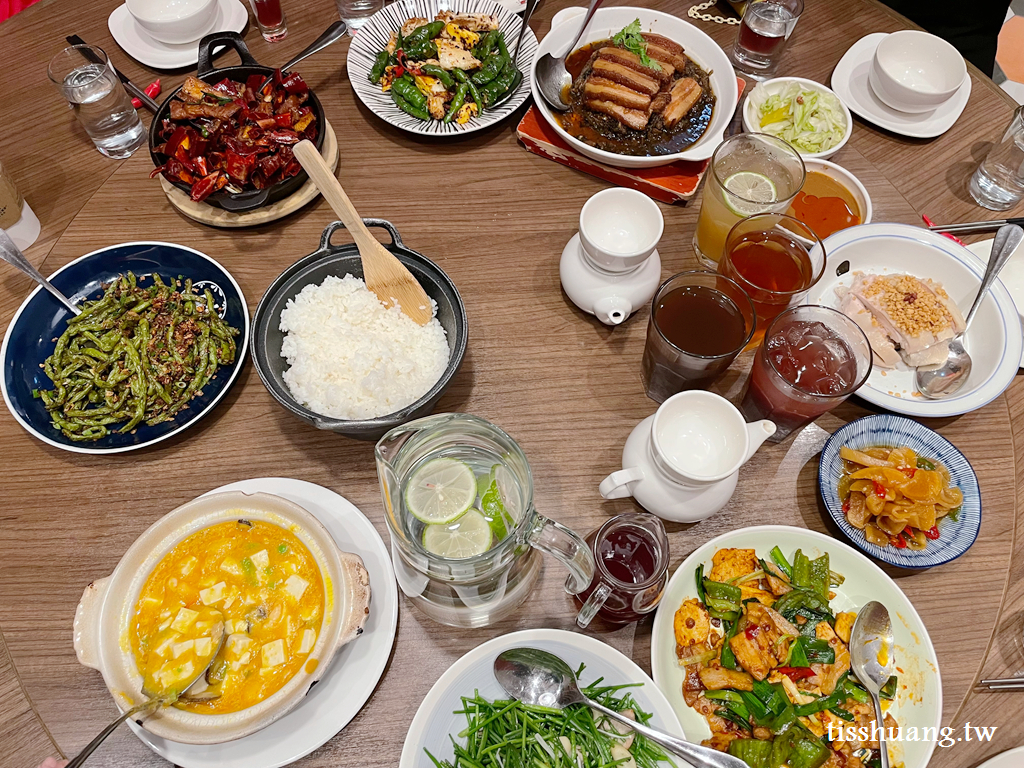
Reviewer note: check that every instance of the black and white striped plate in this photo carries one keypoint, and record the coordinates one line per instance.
(374, 35)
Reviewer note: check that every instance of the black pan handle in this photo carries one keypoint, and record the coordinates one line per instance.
(396, 239)
(244, 201)
(216, 39)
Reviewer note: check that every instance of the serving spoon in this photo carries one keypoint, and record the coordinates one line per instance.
(12, 254)
(552, 76)
(937, 382)
(539, 678)
(330, 35)
(530, 6)
(156, 702)
(383, 273)
(871, 645)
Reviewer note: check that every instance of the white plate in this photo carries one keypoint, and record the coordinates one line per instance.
(994, 338)
(435, 720)
(232, 16)
(865, 581)
(374, 35)
(1011, 758)
(332, 703)
(850, 82)
(1012, 275)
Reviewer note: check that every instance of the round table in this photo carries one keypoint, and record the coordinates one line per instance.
(567, 388)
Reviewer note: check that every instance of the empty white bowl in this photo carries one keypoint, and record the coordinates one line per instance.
(915, 72)
(620, 228)
(174, 21)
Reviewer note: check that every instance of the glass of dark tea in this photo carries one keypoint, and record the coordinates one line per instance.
(812, 359)
(631, 569)
(776, 259)
(699, 322)
(270, 18)
(764, 31)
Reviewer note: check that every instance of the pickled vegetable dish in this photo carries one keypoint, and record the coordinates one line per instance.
(235, 135)
(897, 497)
(766, 662)
(269, 591)
(450, 69)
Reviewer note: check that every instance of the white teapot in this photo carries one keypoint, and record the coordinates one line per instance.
(682, 463)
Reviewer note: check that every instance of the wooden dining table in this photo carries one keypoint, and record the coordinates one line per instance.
(495, 217)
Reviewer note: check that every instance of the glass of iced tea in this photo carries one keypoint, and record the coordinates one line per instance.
(699, 322)
(750, 173)
(812, 359)
(764, 30)
(776, 259)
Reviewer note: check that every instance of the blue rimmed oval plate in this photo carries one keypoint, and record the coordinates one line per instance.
(955, 536)
(41, 319)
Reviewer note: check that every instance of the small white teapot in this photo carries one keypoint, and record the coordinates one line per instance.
(682, 463)
(611, 268)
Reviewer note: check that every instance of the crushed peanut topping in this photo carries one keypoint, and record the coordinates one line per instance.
(912, 305)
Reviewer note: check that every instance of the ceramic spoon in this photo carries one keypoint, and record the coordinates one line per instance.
(871, 645)
(542, 679)
(383, 273)
(552, 76)
(156, 702)
(10, 253)
(937, 382)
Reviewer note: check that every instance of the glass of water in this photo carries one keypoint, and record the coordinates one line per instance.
(355, 13)
(86, 77)
(998, 184)
(764, 31)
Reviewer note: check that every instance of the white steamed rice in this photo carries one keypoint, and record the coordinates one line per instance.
(350, 357)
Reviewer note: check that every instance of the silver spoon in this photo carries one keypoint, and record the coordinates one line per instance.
(154, 703)
(542, 679)
(10, 253)
(552, 76)
(330, 35)
(937, 382)
(530, 6)
(871, 646)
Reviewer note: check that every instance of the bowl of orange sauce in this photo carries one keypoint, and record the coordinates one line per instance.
(831, 199)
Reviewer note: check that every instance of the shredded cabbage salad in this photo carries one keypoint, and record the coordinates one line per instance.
(812, 121)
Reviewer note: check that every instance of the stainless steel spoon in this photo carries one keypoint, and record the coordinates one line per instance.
(871, 646)
(10, 253)
(154, 703)
(552, 76)
(332, 34)
(542, 679)
(530, 6)
(937, 382)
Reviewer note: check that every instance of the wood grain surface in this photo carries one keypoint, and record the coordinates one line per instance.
(495, 217)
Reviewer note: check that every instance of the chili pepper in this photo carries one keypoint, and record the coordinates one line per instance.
(796, 673)
(751, 631)
(932, 533)
(491, 69)
(295, 84)
(405, 106)
(422, 34)
(898, 541)
(435, 71)
(379, 65)
(153, 89)
(457, 102)
(405, 87)
(207, 185)
(879, 489)
(909, 471)
(846, 505)
(486, 45)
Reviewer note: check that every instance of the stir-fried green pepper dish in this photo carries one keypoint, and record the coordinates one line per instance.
(135, 355)
(509, 734)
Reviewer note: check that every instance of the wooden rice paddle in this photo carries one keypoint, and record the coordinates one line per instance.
(384, 274)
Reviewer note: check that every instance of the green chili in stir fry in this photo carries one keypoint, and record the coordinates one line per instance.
(136, 355)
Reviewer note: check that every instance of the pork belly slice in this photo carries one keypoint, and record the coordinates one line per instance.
(662, 49)
(684, 95)
(599, 89)
(619, 73)
(659, 102)
(631, 60)
(631, 118)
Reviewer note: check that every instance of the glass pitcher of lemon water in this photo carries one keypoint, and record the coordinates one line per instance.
(458, 498)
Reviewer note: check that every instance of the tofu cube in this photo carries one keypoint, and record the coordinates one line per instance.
(295, 586)
(261, 560)
(183, 647)
(173, 674)
(213, 594)
(232, 566)
(204, 647)
(164, 649)
(188, 566)
(236, 645)
(184, 620)
(308, 640)
(273, 654)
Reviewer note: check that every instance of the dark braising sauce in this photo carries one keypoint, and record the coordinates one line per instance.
(607, 133)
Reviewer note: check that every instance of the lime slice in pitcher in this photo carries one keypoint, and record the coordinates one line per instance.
(440, 491)
(468, 536)
(755, 187)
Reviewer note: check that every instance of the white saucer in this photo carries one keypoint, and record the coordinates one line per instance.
(850, 82)
(332, 703)
(1011, 758)
(232, 16)
(1012, 275)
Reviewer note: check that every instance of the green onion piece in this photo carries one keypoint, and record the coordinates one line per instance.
(889, 689)
(782, 562)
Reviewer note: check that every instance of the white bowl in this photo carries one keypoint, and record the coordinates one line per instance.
(751, 123)
(698, 46)
(107, 609)
(848, 180)
(913, 71)
(620, 228)
(174, 21)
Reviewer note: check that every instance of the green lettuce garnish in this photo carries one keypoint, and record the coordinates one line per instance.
(629, 38)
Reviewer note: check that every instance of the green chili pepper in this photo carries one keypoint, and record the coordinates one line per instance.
(422, 34)
(435, 71)
(405, 87)
(379, 64)
(405, 106)
(457, 101)
(491, 69)
(485, 45)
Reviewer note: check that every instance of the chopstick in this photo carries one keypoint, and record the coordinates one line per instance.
(970, 227)
(1003, 684)
(129, 86)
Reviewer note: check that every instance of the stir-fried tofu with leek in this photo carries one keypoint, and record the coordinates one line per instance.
(766, 662)
(265, 586)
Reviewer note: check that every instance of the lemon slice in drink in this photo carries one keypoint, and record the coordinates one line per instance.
(440, 491)
(468, 536)
(754, 187)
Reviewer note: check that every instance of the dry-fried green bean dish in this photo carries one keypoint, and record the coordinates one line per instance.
(138, 354)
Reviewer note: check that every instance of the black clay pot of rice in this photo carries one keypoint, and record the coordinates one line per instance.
(340, 260)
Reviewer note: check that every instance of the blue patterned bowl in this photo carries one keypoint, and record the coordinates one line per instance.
(41, 319)
(955, 538)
